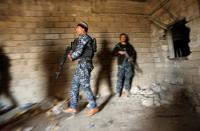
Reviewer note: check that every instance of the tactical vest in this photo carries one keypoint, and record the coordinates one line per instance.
(89, 49)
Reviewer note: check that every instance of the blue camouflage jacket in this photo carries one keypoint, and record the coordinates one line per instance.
(83, 49)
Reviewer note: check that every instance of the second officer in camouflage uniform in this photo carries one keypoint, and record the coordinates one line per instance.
(126, 61)
(83, 52)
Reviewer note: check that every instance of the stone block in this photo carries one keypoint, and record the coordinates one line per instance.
(36, 36)
(66, 36)
(52, 36)
(42, 30)
(20, 37)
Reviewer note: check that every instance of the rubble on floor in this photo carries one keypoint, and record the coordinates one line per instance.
(49, 116)
(16, 112)
(50, 105)
(119, 113)
(156, 94)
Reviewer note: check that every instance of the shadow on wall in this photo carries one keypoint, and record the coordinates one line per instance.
(55, 88)
(104, 59)
(136, 65)
(5, 79)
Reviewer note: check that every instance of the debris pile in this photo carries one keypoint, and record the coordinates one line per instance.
(154, 95)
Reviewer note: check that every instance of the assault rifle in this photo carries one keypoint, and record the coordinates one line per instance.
(62, 62)
(130, 59)
(68, 50)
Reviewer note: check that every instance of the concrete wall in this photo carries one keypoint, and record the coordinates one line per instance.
(180, 72)
(34, 35)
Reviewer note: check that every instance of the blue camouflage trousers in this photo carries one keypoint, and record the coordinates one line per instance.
(81, 79)
(125, 75)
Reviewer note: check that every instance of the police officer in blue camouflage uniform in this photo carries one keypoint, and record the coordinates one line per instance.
(126, 55)
(83, 52)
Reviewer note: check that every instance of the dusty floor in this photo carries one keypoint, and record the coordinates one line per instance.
(117, 114)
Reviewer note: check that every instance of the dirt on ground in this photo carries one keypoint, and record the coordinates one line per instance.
(116, 114)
